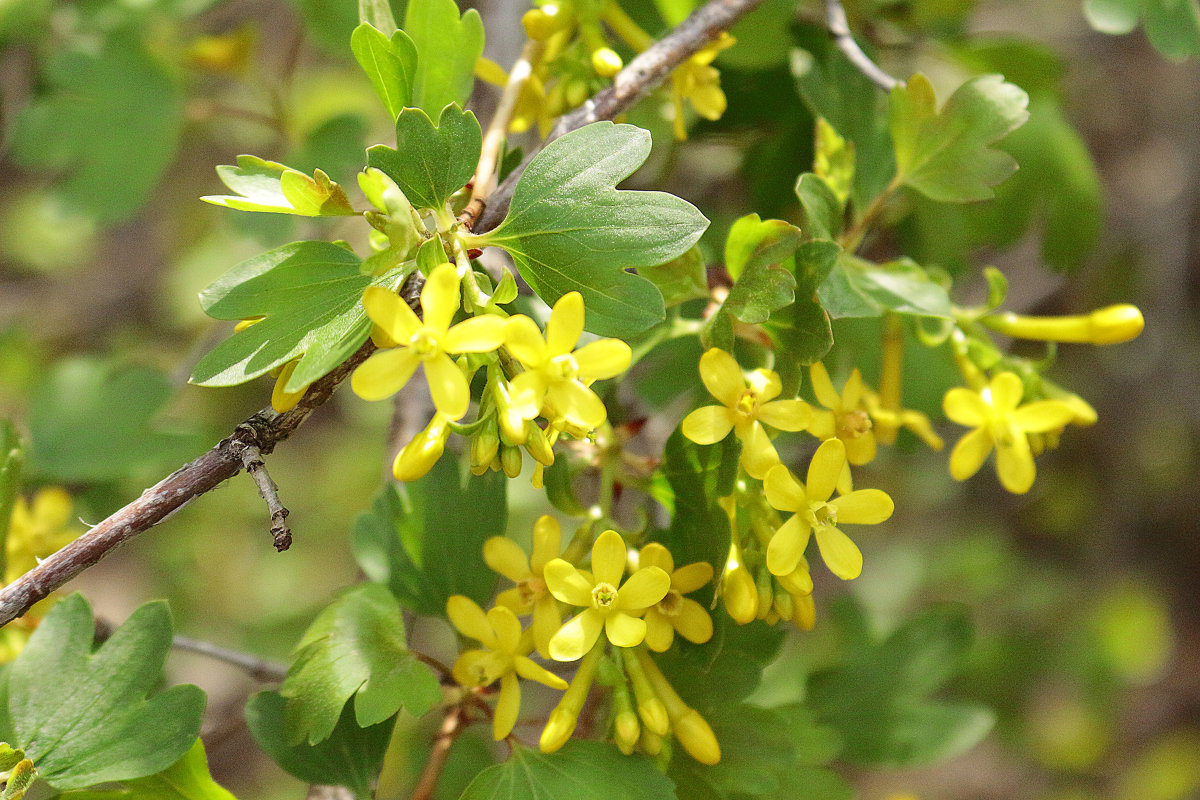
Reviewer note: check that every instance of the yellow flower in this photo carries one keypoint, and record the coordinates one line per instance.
(844, 416)
(1001, 421)
(745, 406)
(814, 511)
(605, 601)
(557, 373)
(697, 81)
(418, 456)
(915, 421)
(676, 612)
(530, 594)
(503, 658)
(429, 343)
(37, 530)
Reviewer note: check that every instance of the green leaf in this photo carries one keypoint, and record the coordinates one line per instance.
(356, 647)
(569, 229)
(310, 294)
(12, 459)
(801, 331)
(680, 279)
(269, 186)
(430, 163)
(1172, 26)
(447, 48)
(390, 63)
(581, 770)
(733, 659)
(859, 288)
(93, 106)
(350, 757)
(87, 718)
(186, 779)
(697, 475)
(822, 211)
(877, 699)
(378, 14)
(428, 544)
(758, 257)
(84, 415)
(945, 154)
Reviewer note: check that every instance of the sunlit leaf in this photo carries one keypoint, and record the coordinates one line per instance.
(447, 47)
(186, 779)
(430, 162)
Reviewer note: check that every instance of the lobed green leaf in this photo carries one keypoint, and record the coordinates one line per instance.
(269, 186)
(390, 64)
(89, 717)
(186, 779)
(801, 331)
(569, 229)
(581, 770)
(447, 47)
(430, 162)
(859, 288)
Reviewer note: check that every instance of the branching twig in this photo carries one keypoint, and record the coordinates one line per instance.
(267, 428)
(639, 77)
(258, 668)
(268, 491)
(438, 754)
(839, 29)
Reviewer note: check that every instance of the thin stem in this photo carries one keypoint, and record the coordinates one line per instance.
(853, 236)
(257, 668)
(451, 727)
(839, 28)
(252, 459)
(624, 26)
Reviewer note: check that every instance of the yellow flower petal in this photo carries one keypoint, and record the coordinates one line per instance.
(864, 507)
(1042, 416)
(786, 415)
(514, 600)
(449, 388)
(852, 392)
(1014, 465)
(466, 615)
(577, 403)
(532, 671)
(691, 577)
(547, 542)
(965, 407)
(384, 373)
(507, 706)
(282, 400)
(565, 325)
(758, 454)
(624, 630)
(823, 387)
(643, 589)
(1006, 390)
(546, 622)
(478, 668)
(608, 558)
(605, 358)
(969, 454)
(575, 638)
(787, 545)
(524, 341)
(527, 394)
(708, 424)
(390, 313)
(567, 583)
(765, 384)
(439, 298)
(840, 554)
(655, 555)
(481, 334)
(783, 491)
(504, 556)
(860, 449)
(693, 622)
(507, 627)
(659, 632)
(722, 376)
(825, 469)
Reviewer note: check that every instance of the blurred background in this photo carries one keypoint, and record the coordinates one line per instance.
(1084, 594)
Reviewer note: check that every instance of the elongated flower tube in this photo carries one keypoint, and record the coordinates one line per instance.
(503, 657)
(555, 371)
(1001, 422)
(814, 511)
(747, 403)
(565, 715)
(1108, 325)
(429, 342)
(530, 595)
(676, 612)
(607, 603)
(691, 729)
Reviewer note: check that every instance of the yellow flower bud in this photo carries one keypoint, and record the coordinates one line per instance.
(606, 62)
(542, 23)
(651, 743)
(575, 93)
(697, 738)
(650, 707)
(626, 731)
(783, 603)
(804, 612)
(741, 595)
(511, 461)
(558, 729)
(1108, 325)
(565, 715)
(484, 447)
(419, 455)
(537, 445)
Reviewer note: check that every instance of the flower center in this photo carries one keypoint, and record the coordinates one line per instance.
(604, 596)
(565, 367)
(531, 590)
(423, 343)
(825, 514)
(672, 604)
(853, 424)
(747, 404)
